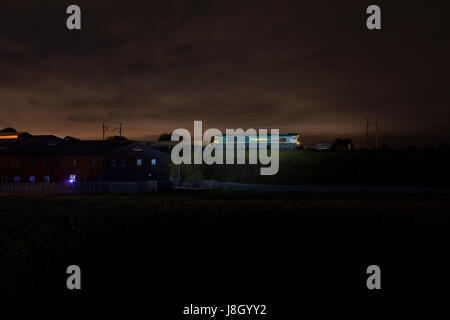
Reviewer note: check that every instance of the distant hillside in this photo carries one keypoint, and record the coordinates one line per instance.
(391, 167)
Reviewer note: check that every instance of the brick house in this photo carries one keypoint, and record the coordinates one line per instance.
(52, 159)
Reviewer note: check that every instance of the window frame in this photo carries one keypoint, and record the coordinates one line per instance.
(46, 163)
(32, 164)
(17, 164)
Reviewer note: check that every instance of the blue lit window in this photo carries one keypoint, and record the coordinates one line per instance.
(153, 162)
(139, 162)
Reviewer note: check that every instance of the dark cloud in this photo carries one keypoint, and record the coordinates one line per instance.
(83, 117)
(308, 66)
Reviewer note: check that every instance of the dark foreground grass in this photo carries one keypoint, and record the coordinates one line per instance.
(39, 233)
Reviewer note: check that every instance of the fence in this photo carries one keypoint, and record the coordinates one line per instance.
(233, 186)
(81, 187)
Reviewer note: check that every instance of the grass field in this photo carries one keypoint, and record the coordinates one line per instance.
(395, 167)
(37, 233)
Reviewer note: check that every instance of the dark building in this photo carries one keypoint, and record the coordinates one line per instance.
(52, 159)
(130, 161)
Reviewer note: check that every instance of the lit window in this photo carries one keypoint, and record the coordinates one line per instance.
(139, 162)
(46, 178)
(153, 162)
(16, 179)
(73, 163)
(72, 178)
(32, 179)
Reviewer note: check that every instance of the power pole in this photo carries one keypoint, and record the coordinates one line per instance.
(376, 135)
(103, 129)
(367, 133)
(120, 129)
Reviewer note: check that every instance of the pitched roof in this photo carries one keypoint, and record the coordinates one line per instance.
(49, 145)
(43, 146)
(102, 146)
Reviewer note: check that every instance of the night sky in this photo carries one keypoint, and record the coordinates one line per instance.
(301, 66)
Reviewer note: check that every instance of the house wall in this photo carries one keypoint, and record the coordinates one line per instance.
(121, 165)
(125, 168)
(82, 169)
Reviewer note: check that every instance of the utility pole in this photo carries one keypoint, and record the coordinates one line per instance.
(103, 129)
(367, 133)
(120, 129)
(376, 135)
